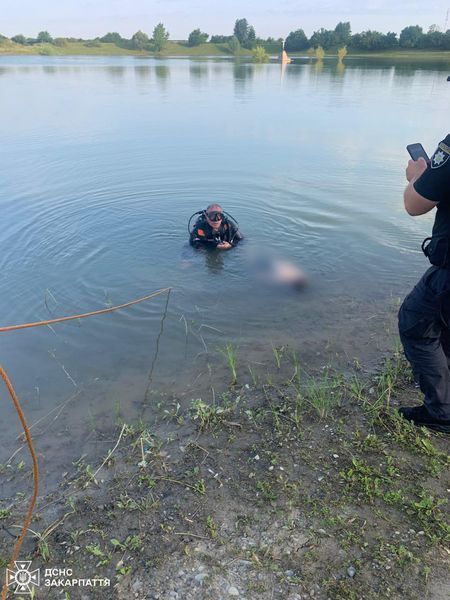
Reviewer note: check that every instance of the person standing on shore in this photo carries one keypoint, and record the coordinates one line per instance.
(424, 317)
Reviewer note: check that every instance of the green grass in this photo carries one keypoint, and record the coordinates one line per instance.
(108, 49)
(180, 48)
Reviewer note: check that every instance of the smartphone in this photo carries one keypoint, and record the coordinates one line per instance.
(416, 151)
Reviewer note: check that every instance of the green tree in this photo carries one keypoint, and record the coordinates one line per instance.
(234, 45)
(260, 55)
(241, 31)
(343, 33)
(326, 38)
(197, 37)
(140, 40)
(433, 38)
(296, 41)
(251, 38)
(44, 37)
(410, 37)
(245, 33)
(19, 39)
(113, 38)
(160, 37)
(220, 39)
(60, 41)
(373, 40)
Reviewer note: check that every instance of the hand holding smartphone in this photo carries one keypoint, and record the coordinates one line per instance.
(416, 151)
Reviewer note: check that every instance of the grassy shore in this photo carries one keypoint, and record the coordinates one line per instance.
(93, 48)
(289, 486)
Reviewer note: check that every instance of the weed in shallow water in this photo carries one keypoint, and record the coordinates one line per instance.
(229, 351)
(253, 376)
(278, 354)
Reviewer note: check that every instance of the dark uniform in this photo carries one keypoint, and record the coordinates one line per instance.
(424, 316)
(204, 235)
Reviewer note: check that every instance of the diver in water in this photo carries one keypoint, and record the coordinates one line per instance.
(214, 229)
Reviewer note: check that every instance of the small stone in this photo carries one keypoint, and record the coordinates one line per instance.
(322, 531)
(200, 577)
(137, 586)
(256, 457)
(421, 533)
(351, 572)
(232, 591)
(335, 455)
(289, 573)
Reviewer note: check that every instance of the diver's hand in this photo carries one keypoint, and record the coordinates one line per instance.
(224, 246)
(415, 168)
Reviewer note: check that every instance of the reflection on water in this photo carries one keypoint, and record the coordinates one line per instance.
(117, 73)
(143, 72)
(105, 167)
(162, 71)
(214, 261)
(198, 71)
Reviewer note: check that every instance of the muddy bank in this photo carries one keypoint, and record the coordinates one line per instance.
(297, 486)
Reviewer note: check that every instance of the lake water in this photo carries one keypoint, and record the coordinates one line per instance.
(104, 160)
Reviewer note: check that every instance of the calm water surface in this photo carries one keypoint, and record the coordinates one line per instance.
(105, 159)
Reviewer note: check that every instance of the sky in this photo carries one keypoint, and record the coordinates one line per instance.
(275, 18)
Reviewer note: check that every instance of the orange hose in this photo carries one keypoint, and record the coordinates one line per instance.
(19, 410)
(82, 316)
(28, 518)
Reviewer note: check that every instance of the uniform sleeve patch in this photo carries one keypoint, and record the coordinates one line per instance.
(200, 232)
(441, 156)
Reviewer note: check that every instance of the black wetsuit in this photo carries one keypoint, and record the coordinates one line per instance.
(203, 234)
(424, 316)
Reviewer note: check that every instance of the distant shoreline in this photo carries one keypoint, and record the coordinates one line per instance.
(182, 50)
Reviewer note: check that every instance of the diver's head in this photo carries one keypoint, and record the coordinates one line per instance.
(214, 216)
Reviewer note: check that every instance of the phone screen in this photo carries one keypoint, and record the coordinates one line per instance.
(416, 151)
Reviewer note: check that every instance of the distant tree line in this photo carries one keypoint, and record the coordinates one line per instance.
(139, 40)
(244, 36)
(412, 36)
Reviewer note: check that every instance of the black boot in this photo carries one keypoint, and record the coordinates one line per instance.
(420, 417)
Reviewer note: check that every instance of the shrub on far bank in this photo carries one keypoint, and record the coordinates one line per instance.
(197, 37)
(60, 42)
(260, 55)
(342, 53)
(46, 51)
(19, 39)
(319, 52)
(234, 45)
